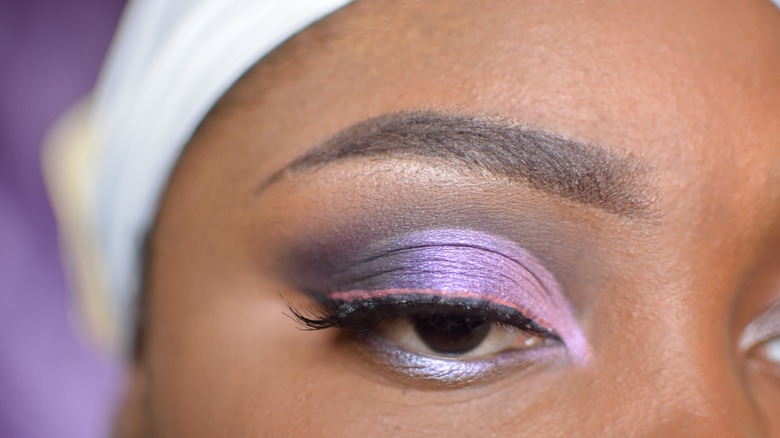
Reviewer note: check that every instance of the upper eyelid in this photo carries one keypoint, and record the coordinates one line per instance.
(439, 258)
(445, 259)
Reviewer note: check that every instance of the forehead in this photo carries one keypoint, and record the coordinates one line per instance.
(691, 87)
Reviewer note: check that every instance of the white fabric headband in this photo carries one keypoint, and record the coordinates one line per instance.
(170, 62)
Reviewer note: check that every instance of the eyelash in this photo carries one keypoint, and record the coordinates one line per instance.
(362, 316)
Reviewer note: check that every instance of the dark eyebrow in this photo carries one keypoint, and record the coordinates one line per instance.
(589, 174)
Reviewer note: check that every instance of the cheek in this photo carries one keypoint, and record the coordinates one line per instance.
(225, 360)
(220, 361)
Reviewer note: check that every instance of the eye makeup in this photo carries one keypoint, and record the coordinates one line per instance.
(456, 269)
(443, 372)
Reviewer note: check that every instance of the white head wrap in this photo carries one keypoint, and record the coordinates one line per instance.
(170, 62)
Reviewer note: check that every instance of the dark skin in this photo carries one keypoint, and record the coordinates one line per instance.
(689, 89)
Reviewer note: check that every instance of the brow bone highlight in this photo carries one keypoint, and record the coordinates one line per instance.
(586, 173)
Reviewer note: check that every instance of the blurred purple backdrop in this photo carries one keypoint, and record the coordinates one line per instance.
(51, 383)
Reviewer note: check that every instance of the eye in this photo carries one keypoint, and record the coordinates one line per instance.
(770, 350)
(450, 307)
(765, 357)
(443, 338)
(761, 341)
(457, 335)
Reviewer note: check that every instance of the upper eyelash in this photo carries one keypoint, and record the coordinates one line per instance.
(365, 314)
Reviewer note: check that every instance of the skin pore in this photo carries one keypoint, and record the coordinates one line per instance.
(657, 220)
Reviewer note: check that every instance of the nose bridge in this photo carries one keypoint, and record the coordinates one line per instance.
(679, 368)
(684, 384)
(699, 402)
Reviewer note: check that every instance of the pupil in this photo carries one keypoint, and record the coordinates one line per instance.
(451, 334)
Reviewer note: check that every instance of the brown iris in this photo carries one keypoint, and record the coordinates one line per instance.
(451, 334)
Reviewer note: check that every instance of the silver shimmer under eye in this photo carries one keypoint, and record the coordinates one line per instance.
(452, 373)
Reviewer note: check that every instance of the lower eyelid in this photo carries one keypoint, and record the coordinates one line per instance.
(443, 261)
(446, 373)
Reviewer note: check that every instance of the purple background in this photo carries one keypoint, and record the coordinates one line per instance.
(51, 383)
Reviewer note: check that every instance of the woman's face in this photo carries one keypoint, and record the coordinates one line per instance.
(645, 249)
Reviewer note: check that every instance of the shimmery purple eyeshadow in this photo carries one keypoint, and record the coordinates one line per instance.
(462, 262)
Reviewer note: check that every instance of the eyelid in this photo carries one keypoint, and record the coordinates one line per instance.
(453, 260)
(365, 312)
(447, 373)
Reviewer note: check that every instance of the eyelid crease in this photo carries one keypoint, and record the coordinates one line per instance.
(446, 246)
(448, 260)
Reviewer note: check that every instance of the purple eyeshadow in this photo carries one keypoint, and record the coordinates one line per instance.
(461, 263)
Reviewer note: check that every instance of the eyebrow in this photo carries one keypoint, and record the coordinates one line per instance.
(586, 173)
